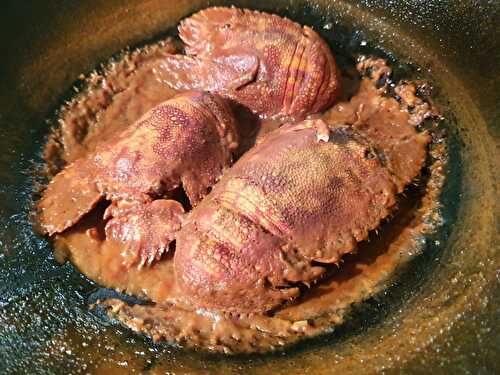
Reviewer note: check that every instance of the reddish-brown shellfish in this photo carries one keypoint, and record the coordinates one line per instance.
(184, 142)
(267, 63)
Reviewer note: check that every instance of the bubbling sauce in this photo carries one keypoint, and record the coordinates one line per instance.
(130, 86)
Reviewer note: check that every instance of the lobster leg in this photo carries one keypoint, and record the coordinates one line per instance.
(146, 229)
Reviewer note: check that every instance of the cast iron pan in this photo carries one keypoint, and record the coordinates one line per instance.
(442, 314)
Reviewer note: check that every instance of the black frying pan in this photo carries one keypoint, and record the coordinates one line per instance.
(442, 314)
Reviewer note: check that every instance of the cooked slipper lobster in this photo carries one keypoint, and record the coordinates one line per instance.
(184, 142)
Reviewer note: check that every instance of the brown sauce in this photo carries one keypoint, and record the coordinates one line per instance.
(131, 86)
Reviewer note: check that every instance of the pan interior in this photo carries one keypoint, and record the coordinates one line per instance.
(434, 314)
